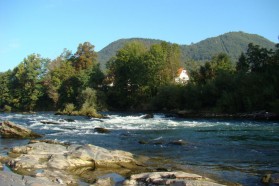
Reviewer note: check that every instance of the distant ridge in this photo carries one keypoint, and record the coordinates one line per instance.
(232, 43)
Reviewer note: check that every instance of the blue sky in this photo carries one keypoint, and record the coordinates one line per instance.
(47, 27)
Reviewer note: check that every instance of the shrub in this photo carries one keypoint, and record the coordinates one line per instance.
(69, 108)
(7, 108)
(89, 111)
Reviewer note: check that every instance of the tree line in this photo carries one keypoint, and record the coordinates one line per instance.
(142, 78)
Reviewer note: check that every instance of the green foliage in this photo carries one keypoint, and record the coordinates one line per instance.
(5, 92)
(85, 57)
(26, 86)
(88, 97)
(87, 102)
(89, 111)
(242, 64)
(128, 70)
(69, 90)
(69, 109)
(168, 98)
(138, 73)
(257, 58)
(59, 70)
(69, 74)
(7, 108)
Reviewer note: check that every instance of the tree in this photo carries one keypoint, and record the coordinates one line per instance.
(85, 56)
(26, 82)
(5, 92)
(138, 73)
(163, 61)
(242, 64)
(221, 63)
(257, 57)
(69, 91)
(171, 62)
(218, 65)
(129, 73)
(59, 70)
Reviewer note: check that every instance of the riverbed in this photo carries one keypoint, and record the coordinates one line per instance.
(239, 151)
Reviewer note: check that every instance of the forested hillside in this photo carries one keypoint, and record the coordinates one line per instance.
(232, 43)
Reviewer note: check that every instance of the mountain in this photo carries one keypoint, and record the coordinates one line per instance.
(232, 43)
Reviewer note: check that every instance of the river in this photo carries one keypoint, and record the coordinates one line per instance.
(233, 150)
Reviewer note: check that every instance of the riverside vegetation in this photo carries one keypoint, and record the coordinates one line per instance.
(142, 78)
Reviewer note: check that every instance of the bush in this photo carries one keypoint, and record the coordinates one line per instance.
(88, 97)
(168, 98)
(7, 108)
(89, 111)
(69, 108)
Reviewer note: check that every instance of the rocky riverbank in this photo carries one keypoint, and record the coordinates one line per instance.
(50, 162)
(53, 163)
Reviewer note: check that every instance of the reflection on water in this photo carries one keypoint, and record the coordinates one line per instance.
(239, 151)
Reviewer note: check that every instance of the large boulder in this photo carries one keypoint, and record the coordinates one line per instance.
(11, 130)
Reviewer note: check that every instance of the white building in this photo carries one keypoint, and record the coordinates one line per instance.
(182, 76)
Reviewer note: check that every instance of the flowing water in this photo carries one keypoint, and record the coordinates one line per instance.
(234, 150)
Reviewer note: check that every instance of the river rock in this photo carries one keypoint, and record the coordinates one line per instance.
(178, 142)
(104, 182)
(275, 178)
(169, 178)
(50, 122)
(101, 130)
(4, 159)
(143, 142)
(148, 116)
(10, 178)
(68, 120)
(270, 178)
(11, 130)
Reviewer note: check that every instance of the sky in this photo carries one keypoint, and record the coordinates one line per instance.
(46, 27)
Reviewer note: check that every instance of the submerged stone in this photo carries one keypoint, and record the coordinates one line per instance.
(178, 142)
